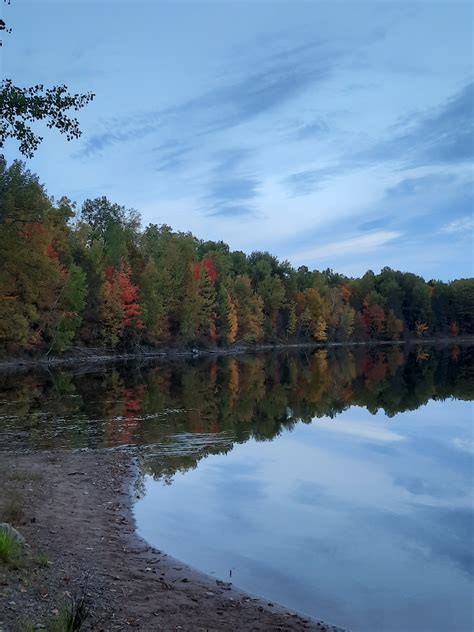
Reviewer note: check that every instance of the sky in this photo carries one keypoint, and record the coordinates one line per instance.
(332, 134)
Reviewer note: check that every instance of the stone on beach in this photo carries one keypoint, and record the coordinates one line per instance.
(12, 532)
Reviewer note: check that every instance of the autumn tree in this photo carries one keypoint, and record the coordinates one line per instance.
(453, 329)
(291, 320)
(374, 314)
(249, 310)
(394, 326)
(340, 314)
(227, 322)
(317, 311)
(421, 328)
(31, 275)
(121, 313)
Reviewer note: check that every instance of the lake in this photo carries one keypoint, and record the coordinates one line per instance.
(336, 482)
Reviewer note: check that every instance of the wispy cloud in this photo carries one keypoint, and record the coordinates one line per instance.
(171, 154)
(414, 186)
(352, 245)
(464, 444)
(234, 188)
(380, 222)
(463, 225)
(233, 211)
(279, 78)
(306, 182)
(441, 136)
(361, 429)
(312, 129)
(230, 190)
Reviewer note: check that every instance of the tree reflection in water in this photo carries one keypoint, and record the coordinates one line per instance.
(180, 411)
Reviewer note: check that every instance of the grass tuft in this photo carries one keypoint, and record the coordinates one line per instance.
(9, 547)
(25, 626)
(72, 617)
(42, 560)
(24, 476)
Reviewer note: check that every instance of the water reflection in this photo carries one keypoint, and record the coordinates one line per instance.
(362, 514)
(221, 400)
(365, 526)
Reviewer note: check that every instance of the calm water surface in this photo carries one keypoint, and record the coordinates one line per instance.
(337, 483)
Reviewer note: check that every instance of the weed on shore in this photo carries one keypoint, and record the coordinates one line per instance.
(70, 618)
(10, 548)
(42, 560)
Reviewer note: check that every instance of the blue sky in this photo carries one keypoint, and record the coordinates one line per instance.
(333, 134)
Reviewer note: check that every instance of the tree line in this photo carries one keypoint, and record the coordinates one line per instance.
(92, 277)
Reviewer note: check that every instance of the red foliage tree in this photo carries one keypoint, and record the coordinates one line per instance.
(374, 318)
(120, 309)
(211, 273)
(205, 264)
(454, 329)
(128, 293)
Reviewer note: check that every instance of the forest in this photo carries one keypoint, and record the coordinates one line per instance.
(94, 278)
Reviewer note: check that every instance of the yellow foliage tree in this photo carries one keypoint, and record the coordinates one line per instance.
(319, 330)
(232, 321)
(421, 328)
(317, 308)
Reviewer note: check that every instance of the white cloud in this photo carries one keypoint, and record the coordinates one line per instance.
(361, 429)
(466, 445)
(360, 244)
(461, 225)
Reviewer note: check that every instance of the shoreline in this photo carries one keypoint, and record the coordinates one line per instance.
(77, 510)
(91, 356)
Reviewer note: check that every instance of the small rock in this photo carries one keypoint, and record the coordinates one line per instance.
(221, 583)
(12, 532)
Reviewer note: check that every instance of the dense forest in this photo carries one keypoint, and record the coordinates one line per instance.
(92, 277)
